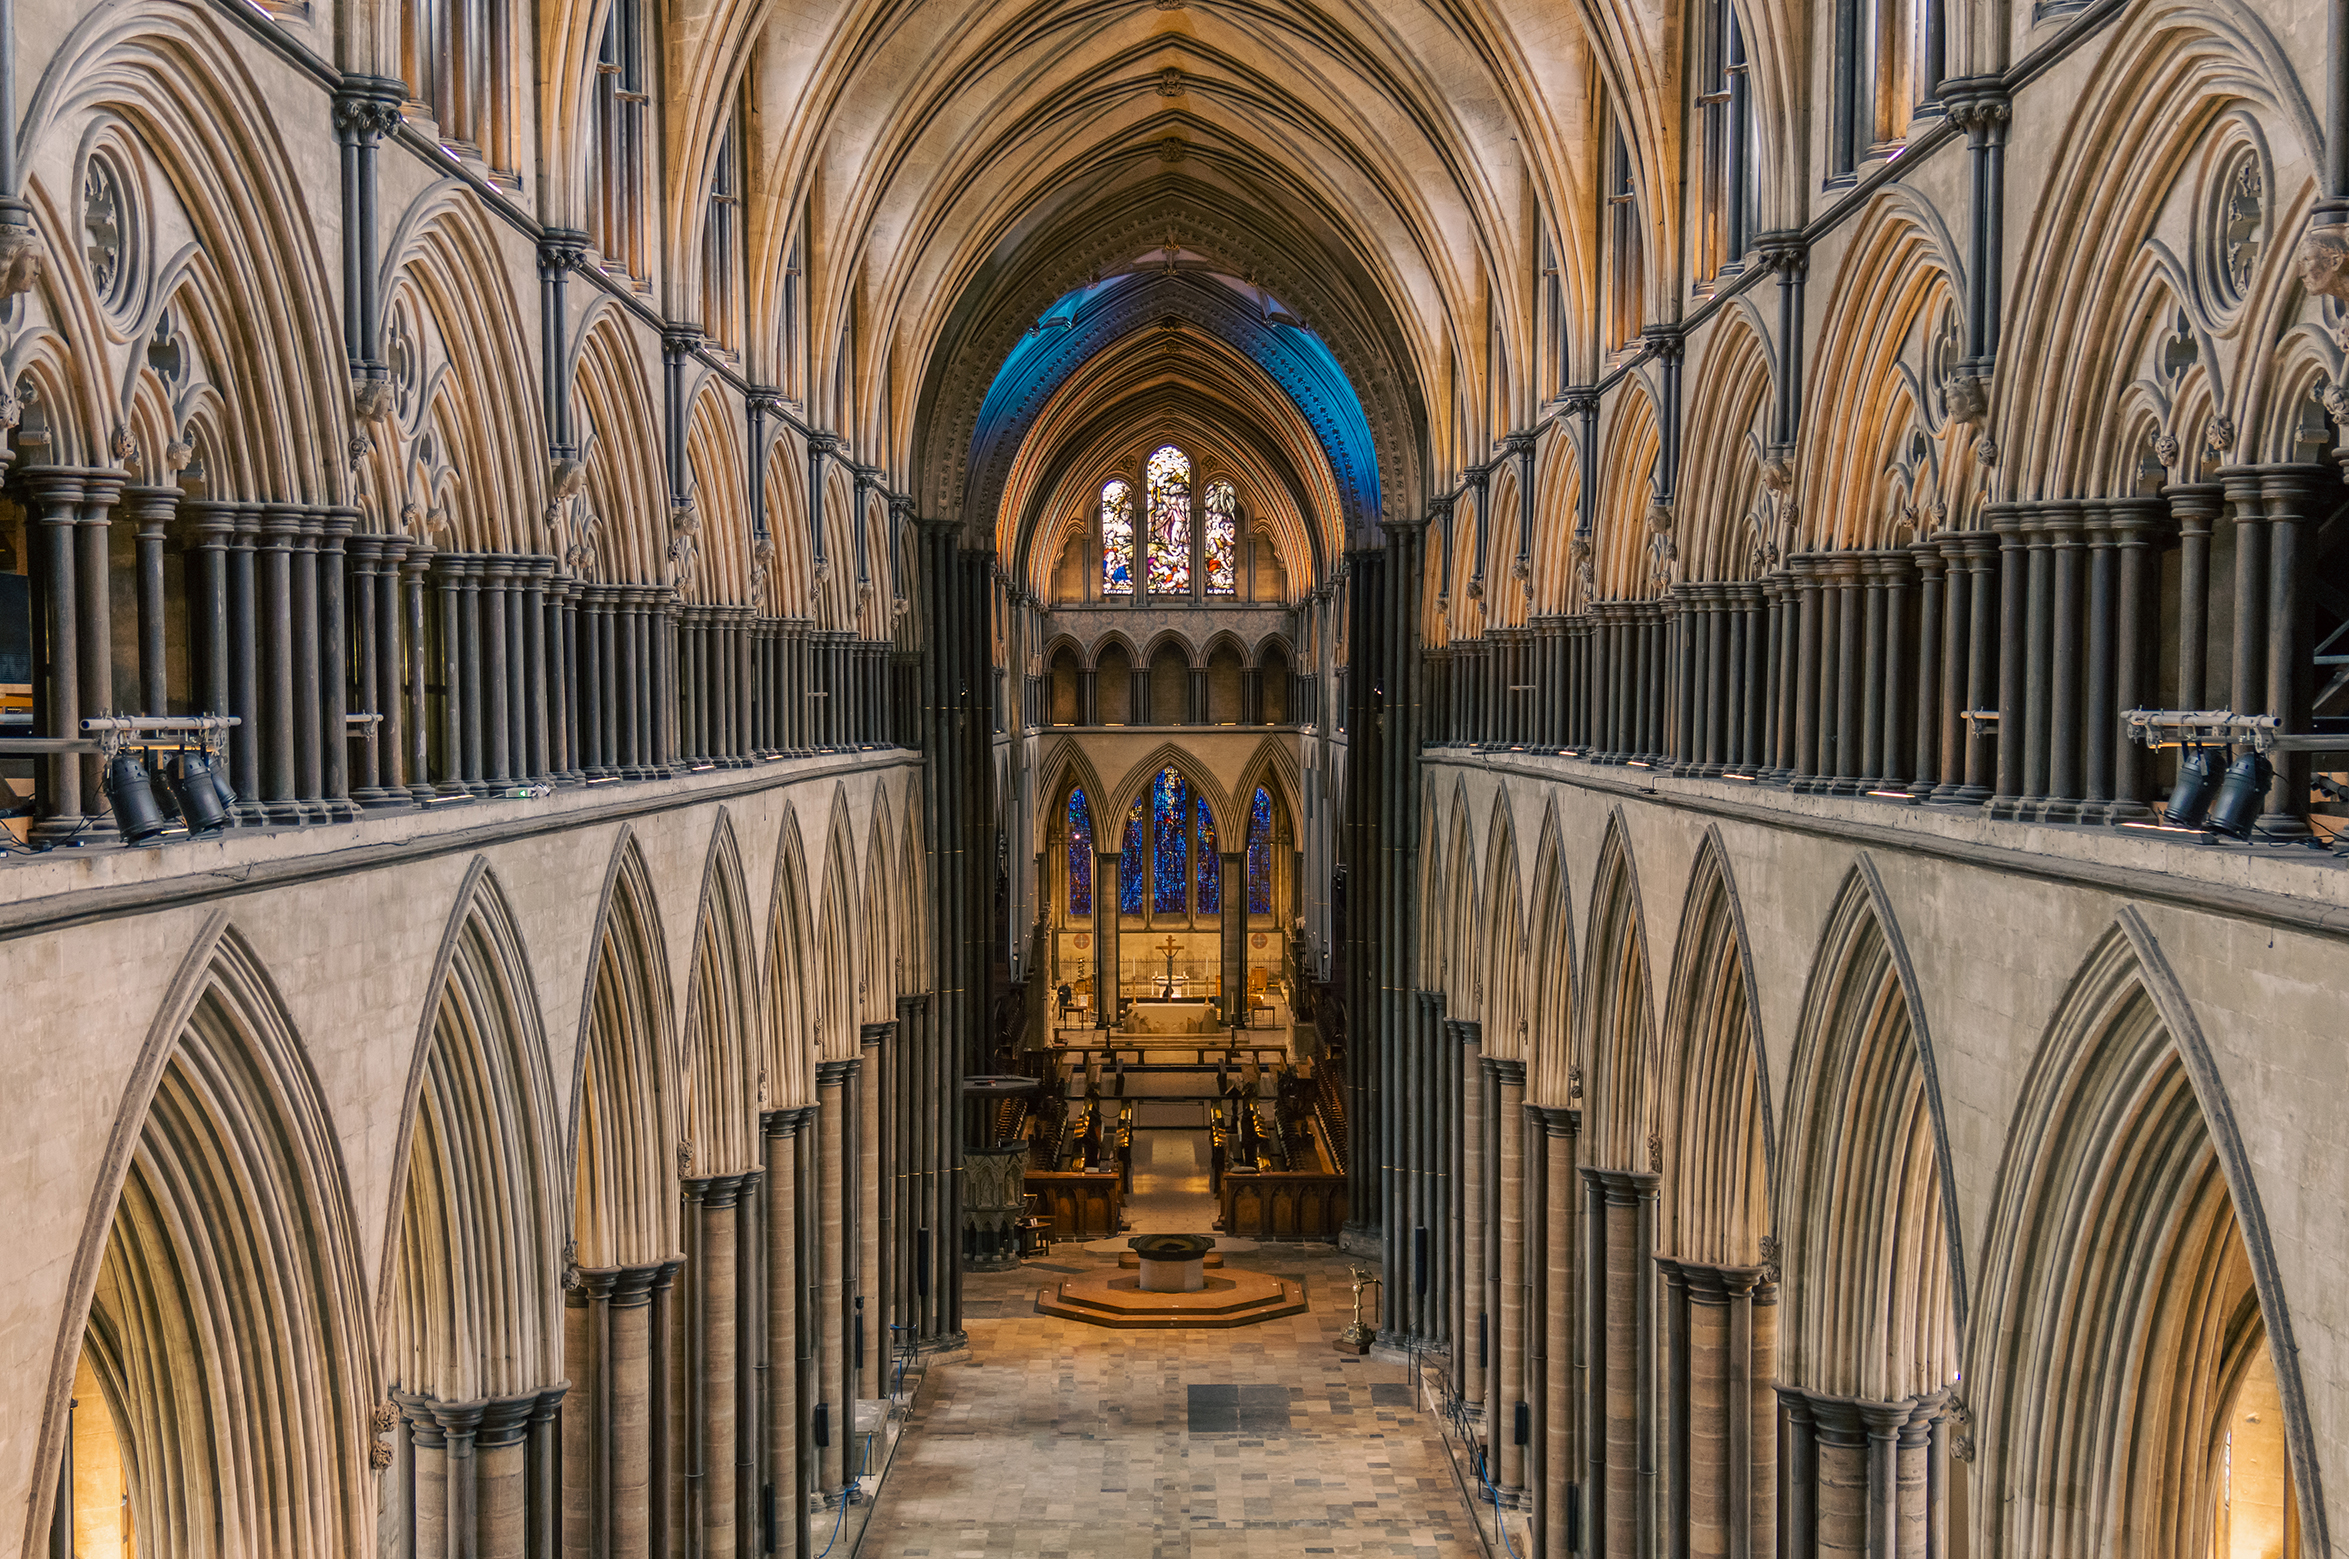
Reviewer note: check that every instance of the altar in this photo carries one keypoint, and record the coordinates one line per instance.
(1172, 1017)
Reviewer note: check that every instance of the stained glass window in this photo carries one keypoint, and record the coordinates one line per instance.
(1080, 855)
(1169, 478)
(1117, 537)
(1210, 864)
(1260, 853)
(1220, 547)
(1130, 865)
(1170, 843)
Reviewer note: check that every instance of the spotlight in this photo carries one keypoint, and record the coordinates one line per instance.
(217, 763)
(2191, 797)
(132, 791)
(198, 783)
(2240, 794)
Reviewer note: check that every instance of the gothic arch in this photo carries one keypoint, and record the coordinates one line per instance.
(626, 1117)
(1618, 1012)
(1549, 1067)
(1622, 559)
(1880, 449)
(2162, 86)
(790, 962)
(834, 997)
(473, 1236)
(2129, 1284)
(1065, 764)
(1504, 952)
(218, 1288)
(1173, 755)
(879, 984)
(1714, 1077)
(1874, 1262)
(1273, 767)
(722, 1039)
(1719, 486)
(626, 518)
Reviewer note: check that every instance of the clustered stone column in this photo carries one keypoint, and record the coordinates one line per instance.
(1619, 1220)
(478, 1477)
(1866, 1477)
(1721, 1340)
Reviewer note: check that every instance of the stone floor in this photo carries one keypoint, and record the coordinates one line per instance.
(1053, 1438)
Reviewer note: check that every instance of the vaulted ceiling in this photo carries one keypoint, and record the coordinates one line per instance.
(1348, 193)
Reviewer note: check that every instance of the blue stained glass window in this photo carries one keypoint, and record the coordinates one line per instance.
(1130, 865)
(1170, 843)
(1210, 864)
(1260, 853)
(1080, 854)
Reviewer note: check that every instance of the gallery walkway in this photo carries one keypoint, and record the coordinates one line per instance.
(1060, 1439)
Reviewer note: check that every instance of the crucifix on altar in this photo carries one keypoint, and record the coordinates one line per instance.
(1169, 947)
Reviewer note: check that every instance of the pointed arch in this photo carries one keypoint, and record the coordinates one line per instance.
(835, 1000)
(218, 1292)
(2131, 1290)
(1175, 756)
(880, 945)
(1872, 1250)
(1549, 1065)
(1459, 962)
(468, 1285)
(1508, 1027)
(791, 1033)
(722, 1040)
(626, 1120)
(1620, 1027)
(1714, 1079)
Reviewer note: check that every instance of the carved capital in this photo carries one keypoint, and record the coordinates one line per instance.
(368, 107)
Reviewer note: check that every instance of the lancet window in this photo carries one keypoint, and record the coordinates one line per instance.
(1080, 855)
(1260, 853)
(457, 58)
(622, 94)
(1220, 546)
(1169, 478)
(1117, 537)
(1185, 541)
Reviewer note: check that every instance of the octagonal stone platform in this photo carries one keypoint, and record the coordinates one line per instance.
(1117, 1299)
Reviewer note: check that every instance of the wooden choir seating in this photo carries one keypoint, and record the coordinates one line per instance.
(1082, 1204)
(1279, 1204)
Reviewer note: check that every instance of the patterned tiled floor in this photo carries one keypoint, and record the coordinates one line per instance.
(1057, 1440)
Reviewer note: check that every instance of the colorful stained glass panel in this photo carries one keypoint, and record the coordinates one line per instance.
(1117, 538)
(1080, 855)
(1169, 563)
(1260, 853)
(1131, 867)
(1170, 843)
(1220, 546)
(1210, 864)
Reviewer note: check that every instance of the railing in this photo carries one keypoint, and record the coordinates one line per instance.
(370, 671)
(1986, 667)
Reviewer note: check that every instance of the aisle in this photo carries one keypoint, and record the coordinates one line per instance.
(1170, 1194)
(1064, 1441)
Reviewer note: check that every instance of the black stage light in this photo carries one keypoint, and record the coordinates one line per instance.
(2240, 794)
(197, 781)
(132, 791)
(2191, 797)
